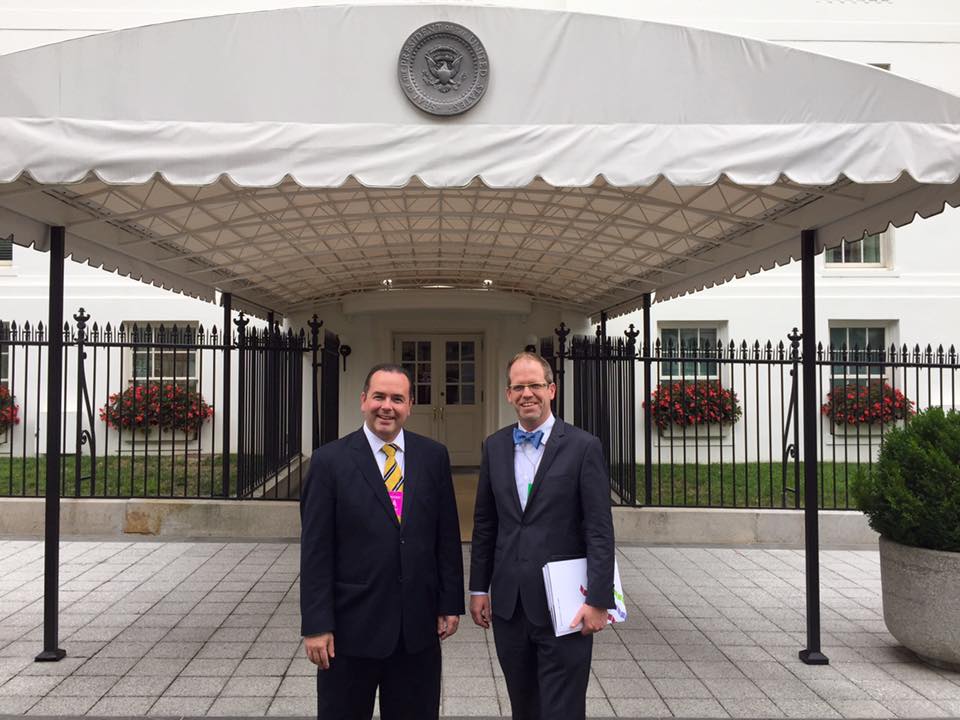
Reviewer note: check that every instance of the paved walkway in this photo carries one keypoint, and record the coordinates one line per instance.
(203, 628)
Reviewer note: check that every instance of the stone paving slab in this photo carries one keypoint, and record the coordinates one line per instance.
(210, 629)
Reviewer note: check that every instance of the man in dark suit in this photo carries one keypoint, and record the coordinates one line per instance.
(543, 494)
(381, 571)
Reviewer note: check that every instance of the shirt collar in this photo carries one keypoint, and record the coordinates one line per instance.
(377, 443)
(546, 426)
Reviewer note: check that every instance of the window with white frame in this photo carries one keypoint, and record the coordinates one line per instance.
(6, 251)
(162, 353)
(868, 251)
(695, 345)
(859, 351)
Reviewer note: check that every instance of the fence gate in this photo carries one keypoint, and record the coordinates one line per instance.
(604, 403)
(270, 397)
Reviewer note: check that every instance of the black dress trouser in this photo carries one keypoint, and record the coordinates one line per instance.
(409, 686)
(546, 676)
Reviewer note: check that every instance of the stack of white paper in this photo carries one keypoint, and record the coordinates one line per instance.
(566, 585)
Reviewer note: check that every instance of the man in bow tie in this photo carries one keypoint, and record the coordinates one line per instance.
(381, 570)
(544, 494)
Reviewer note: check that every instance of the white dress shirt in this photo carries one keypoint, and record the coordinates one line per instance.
(376, 447)
(526, 460)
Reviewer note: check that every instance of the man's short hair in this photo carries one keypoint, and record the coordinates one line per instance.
(525, 355)
(390, 368)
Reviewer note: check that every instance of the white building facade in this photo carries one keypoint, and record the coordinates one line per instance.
(901, 287)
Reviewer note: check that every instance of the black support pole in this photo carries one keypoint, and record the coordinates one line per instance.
(811, 654)
(226, 300)
(51, 552)
(647, 410)
(270, 395)
(315, 325)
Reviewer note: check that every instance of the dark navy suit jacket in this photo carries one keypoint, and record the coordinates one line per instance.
(567, 515)
(364, 576)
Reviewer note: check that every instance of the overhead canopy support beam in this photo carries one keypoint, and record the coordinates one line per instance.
(811, 654)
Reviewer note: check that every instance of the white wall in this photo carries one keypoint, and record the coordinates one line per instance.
(919, 294)
(108, 299)
(505, 326)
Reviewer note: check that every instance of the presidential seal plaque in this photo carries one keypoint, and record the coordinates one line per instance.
(443, 68)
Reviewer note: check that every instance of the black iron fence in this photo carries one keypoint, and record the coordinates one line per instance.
(146, 409)
(722, 421)
(270, 410)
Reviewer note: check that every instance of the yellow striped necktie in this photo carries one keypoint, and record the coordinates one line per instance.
(392, 474)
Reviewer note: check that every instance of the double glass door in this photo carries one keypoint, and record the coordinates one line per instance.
(448, 396)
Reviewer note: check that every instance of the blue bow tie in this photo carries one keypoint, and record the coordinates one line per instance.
(522, 436)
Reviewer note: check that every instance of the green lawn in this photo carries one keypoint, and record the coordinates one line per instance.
(121, 476)
(680, 485)
(743, 485)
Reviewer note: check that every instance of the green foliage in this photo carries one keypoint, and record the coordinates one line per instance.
(912, 496)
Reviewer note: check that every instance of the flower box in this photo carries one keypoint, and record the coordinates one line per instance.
(155, 437)
(695, 433)
(696, 406)
(157, 411)
(865, 405)
(863, 432)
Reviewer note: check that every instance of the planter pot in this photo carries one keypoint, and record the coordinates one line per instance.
(869, 431)
(155, 437)
(694, 433)
(921, 600)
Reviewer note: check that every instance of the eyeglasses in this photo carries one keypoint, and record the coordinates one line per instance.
(533, 387)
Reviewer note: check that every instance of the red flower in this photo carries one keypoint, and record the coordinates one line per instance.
(693, 403)
(9, 410)
(169, 407)
(867, 403)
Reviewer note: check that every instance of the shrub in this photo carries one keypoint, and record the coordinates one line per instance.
(866, 403)
(693, 403)
(912, 494)
(155, 405)
(9, 410)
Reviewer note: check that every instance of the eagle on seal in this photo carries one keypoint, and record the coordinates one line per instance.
(443, 75)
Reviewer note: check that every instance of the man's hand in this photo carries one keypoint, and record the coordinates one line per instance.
(594, 619)
(480, 610)
(447, 625)
(320, 649)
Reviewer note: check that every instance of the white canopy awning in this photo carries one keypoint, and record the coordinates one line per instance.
(273, 155)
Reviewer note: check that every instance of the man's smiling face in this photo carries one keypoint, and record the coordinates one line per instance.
(386, 404)
(532, 403)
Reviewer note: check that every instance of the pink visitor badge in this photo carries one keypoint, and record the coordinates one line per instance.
(396, 497)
